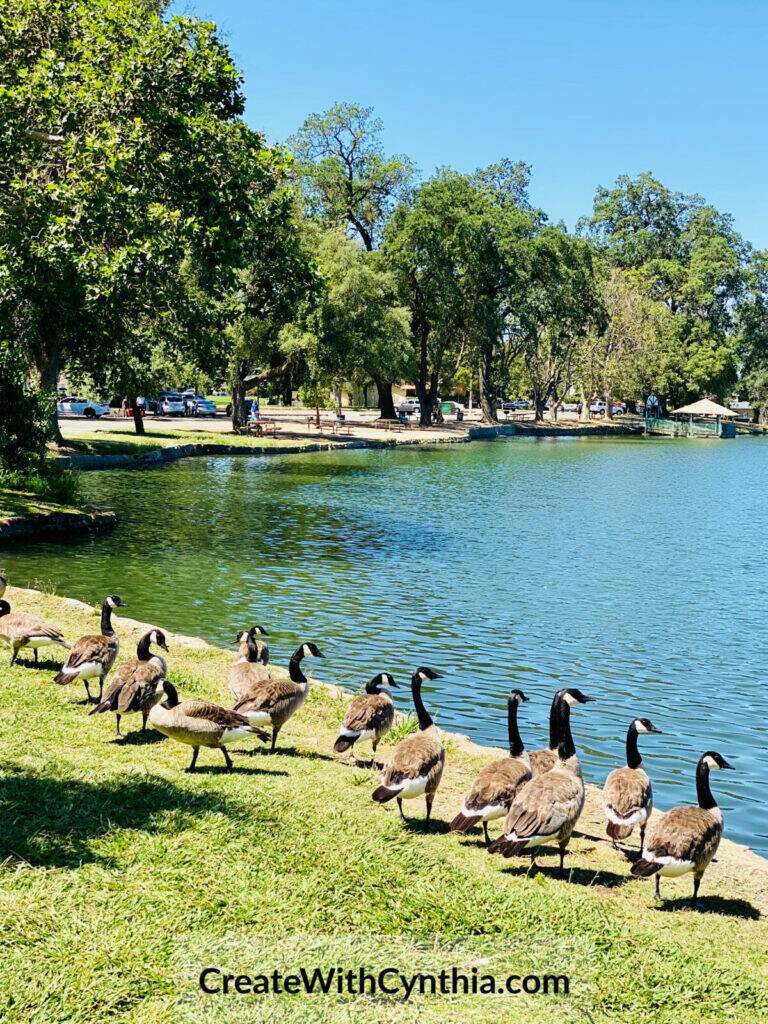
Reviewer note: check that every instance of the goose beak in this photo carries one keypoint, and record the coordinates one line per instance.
(589, 700)
(163, 646)
(655, 729)
(729, 766)
(395, 683)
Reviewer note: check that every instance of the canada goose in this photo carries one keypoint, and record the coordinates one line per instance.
(416, 764)
(494, 789)
(686, 838)
(546, 758)
(369, 716)
(20, 629)
(251, 665)
(550, 804)
(273, 701)
(91, 657)
(627, 793)
(198, 723)
(134, 686)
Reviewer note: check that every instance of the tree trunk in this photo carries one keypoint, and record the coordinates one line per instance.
(608, 406)
(337, 396)
(48, 364)
(386, 402)
(238, 405)
(287, 389)
(487, 400)
(538, 406)
(584, 414)
(553, 409)
(138, 419)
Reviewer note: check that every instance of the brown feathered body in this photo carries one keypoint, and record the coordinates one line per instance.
(414, 768)
(134, 688)
(544, 810)
(682, 840)
(627, 801)
(21, 629)
(272, 702)
(542, 761)
(201, 724)
(493, 791)
(245, 676)
(369, 717)
(90, 657)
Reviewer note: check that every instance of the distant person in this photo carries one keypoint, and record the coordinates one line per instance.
(652, 405)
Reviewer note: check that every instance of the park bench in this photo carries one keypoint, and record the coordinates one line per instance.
(260, 427)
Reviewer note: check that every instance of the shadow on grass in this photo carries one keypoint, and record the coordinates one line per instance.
(52, 822)
(43, 665)
(432, 827)
(713, 905)
(137, 738)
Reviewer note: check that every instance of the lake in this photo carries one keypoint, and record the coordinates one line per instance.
(634, 569)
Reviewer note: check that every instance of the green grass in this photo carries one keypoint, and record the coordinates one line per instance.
(121, 442)
(123, 877)
(18, 502)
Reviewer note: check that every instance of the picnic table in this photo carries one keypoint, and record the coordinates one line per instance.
(260, 427)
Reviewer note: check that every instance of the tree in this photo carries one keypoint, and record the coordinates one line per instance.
(348, 180)
(356, 328)
(687, 255)
(753, 328)
(123, 159)
(560, 307)
(22, 433)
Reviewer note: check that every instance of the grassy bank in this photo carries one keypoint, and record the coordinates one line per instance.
(121, 442)
(19, 502)
(123, 877)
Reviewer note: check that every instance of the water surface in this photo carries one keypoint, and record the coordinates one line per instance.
(634, 569)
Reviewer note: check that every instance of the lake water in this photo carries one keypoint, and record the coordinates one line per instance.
(637, 570)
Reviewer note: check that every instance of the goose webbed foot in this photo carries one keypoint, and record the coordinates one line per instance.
(485, 834)
(400, 808)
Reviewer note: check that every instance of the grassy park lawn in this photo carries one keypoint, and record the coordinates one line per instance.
(122, 877)
(122, 442)
(15, 502)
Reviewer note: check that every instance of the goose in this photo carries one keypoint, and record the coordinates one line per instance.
(627, 793)
(369, 716)
(251, 665)
(495, 787)
(548, 807)
(134, 686)
(416, 764)
(199, 723)
(273, 701)
(91, 657)
(20, 629)
(686, 838)
(546, 758)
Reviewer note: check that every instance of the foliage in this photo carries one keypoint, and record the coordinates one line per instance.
(24, 414)
(347, 178)
(127, 176)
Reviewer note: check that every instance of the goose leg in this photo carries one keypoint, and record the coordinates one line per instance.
(657, 891)
(14, 654)
(275, 731)
(561, 869)
(485, 833)
(429, 798)
(696, 884)
(144, 717)
(227, 759)
(195, 752)
(373, 753)
(533, 858)
(117, 724)
(642, 838)
(101, 689)
(35, 650)
(87, 691)
(400, 808)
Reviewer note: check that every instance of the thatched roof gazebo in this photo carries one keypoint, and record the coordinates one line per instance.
(705, 408)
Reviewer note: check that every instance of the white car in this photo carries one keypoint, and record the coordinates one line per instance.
(410, 405)
(171, 405)
(72, 406)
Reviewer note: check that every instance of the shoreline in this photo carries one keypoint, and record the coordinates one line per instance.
(747, 858)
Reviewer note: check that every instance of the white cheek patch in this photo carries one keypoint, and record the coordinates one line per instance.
(305, 650)
(569, 699)
(639, 727)
(421, 675)
(710, 762)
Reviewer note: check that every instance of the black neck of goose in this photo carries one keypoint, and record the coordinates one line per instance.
(171, 695)
(142, 648)
(106, 620)
(554, 723)
(5, 608)
(633, 754)
(252, 649)
(294, 667)
(424, 717)
(564, 740)
(703, 792)
(515, 740)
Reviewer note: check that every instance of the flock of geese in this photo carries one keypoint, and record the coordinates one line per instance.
(539, 794)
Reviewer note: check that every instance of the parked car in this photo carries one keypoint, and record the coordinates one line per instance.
(521, 403)
(598, 408)
(247, 403)
(200, 406)
(409, 406)
(170, 405)
(72, 406)
(571, 407)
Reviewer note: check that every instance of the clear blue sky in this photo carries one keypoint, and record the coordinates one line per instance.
(583, 90)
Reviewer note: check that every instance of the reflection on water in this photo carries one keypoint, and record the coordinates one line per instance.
(636, 570)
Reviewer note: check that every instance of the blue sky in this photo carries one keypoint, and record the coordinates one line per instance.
(583, 91)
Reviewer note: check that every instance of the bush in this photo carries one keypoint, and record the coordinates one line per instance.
(61, 486)
(25, 415)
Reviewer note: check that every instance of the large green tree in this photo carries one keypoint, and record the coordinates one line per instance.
(123, 160)
(348, 179)
(687, 255)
